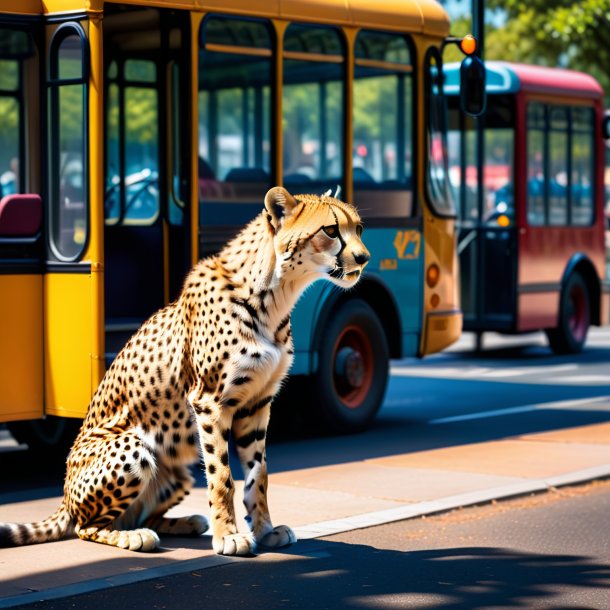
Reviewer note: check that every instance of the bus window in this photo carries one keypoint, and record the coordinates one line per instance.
(462, 157)
(14, 46)
(558, 166)
(132, 179)
(382, 123)
(498, 176)
(68, 153)
(235, 76)
(583, 163)
(313, 109)
(437, 181)
(536, 165)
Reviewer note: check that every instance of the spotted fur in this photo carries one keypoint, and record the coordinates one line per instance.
(203, 368)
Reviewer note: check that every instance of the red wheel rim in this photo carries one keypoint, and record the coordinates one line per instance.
(578, 315)
(353, 366)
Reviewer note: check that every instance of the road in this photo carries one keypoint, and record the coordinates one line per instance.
(458, 405)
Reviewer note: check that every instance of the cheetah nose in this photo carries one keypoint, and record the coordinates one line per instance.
(362, 257)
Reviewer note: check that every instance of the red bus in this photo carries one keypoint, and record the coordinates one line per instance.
(529, 187)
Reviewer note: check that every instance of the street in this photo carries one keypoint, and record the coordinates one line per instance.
(456, 429)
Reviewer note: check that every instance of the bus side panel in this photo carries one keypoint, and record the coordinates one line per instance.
(21, 383)
(543, 259)
(68, 343)
(396, 260)
(303, 323)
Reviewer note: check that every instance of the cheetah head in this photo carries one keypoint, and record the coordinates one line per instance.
(316, 235)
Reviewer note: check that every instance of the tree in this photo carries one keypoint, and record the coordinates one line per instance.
(562, 33)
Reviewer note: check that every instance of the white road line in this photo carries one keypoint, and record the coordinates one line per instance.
(559, 404)
(406, 371)
(586, 379)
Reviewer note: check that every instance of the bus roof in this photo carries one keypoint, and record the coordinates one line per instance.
(506, 77)
(415, 16)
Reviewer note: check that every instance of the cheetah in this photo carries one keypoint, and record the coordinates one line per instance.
(205, 367)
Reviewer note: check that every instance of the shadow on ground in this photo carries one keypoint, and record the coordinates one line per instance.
(323, 574)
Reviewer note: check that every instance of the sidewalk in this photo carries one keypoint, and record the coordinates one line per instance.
(317, 502)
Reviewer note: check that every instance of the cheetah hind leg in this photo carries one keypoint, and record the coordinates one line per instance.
(193, 525)
(177, 482)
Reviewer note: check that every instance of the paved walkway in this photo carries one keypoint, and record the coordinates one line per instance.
(317, 502)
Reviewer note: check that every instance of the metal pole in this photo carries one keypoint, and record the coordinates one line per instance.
(478, 27)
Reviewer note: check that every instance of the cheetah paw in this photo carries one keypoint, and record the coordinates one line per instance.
(199, 524)
(234, 544)
(143, 539)
(280, 536)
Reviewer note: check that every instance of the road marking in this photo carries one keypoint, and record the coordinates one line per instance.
(586, 379)
(486, 372)
(559, 404)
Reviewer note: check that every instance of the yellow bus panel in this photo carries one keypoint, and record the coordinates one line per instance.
(68, 343)
(21, 384)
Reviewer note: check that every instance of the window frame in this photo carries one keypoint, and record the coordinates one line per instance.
(547, 131)
(19, 96)
(326, 58)
(123, 83)
(406, 71)
(53, 84)
(253, 50)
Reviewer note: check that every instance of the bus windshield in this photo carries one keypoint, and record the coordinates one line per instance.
(498, 162)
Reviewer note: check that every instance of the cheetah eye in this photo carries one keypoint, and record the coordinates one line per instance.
(331, 230)
(359, 230)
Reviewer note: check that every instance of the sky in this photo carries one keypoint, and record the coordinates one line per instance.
(462, 8)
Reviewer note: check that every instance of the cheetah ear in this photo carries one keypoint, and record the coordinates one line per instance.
(279, 203)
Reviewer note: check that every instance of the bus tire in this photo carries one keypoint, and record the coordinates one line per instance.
(51, 437)
(349, 385)
(570, 335)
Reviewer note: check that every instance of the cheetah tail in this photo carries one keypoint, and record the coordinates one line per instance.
(51, 528)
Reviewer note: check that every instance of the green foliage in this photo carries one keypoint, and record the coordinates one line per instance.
(563, 33)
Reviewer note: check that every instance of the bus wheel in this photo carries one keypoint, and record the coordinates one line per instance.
(49, 437)
(352, 370)
(574, 317)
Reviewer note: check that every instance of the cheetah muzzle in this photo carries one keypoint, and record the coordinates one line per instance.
(204, 368)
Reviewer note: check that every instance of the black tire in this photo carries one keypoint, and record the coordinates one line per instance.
(349, 386)
(570, 335)
(51, 437)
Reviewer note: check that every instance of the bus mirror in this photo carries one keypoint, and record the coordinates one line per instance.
(473, 98)
(606, 126)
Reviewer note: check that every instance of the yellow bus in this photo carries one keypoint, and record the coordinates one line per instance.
(138, 136)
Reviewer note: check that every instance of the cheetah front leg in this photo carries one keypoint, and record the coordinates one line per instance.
(215, 428)
(250, 432)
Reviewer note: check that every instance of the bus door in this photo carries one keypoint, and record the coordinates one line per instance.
(21, 227)
(147, 166)
(487, 243)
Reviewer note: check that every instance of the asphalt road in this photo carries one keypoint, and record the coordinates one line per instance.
(545, 552)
